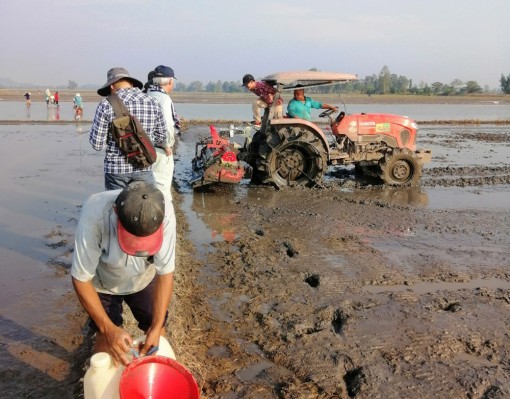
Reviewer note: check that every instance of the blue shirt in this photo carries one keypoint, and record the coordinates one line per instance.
(78, 101)
(300, 109)
(148, 112)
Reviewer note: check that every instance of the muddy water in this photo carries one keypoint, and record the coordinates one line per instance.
(358, 290)
(276, 264)
(47, 173)
(39, 111)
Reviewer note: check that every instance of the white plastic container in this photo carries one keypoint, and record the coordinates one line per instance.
(102, 378)
(164, 346)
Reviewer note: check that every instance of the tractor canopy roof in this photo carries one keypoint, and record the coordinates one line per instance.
(291, 80)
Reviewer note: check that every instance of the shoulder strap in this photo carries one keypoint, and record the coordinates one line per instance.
(118, 106)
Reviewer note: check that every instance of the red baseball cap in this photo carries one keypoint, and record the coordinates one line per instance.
(140, 212)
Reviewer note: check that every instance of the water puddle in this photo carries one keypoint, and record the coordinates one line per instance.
(473, 198)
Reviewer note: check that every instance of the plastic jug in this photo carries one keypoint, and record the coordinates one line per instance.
(102, 378)
(164, 346)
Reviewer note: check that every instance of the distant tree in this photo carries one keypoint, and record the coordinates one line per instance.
(72, 85)
(437, 88)
(209, 87)
(370, 84)
(402, 85)
(505, 84)
(473, 87)
(384, 80)
(218, 86)
(448, 90)
(422, 89)
(195, 86)
(457, 85)
(394, 83)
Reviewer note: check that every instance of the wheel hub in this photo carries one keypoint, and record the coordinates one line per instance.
(291, 164)
(401, 170)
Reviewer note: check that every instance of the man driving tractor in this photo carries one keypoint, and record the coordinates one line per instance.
(300, 106)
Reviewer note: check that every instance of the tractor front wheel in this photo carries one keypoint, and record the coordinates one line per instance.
(400, 167)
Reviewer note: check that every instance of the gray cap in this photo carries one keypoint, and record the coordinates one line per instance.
(114, 75)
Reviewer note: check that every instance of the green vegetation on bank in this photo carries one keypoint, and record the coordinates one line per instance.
(505, 84)
(383, 83)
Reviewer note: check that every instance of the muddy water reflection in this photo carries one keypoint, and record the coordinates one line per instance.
(215, 212)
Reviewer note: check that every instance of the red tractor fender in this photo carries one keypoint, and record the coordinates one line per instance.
(294, 122)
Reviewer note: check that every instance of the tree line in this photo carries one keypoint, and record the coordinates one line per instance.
(383, 83)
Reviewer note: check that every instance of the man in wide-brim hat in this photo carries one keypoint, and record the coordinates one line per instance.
(117, 77)
(118, 171)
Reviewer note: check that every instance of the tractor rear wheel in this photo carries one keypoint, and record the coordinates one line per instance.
(292, 156)
(400, 167)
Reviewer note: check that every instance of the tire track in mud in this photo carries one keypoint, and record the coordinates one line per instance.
(317, 333)
(465, 176)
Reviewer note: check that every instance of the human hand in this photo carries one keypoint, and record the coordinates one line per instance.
(119, 343)
(151, 340)
(168, 151)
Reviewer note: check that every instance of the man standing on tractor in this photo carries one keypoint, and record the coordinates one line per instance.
(300, 106)
(265, 93)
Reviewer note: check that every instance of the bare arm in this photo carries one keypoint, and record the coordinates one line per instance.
(118, 342)
(331, 107)
(162, 295)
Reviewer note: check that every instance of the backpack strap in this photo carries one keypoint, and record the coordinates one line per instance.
(118, 106)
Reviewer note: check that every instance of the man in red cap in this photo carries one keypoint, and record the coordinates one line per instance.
(125, 252)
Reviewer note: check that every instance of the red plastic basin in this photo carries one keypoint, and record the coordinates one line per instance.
(157, 377)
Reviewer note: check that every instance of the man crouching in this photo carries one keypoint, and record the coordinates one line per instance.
(125, 252)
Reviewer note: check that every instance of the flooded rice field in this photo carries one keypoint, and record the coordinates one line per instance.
(349, 291)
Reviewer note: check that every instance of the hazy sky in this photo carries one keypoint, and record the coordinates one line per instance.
(50, 42)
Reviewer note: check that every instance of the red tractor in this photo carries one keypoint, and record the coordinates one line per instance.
(291, 151)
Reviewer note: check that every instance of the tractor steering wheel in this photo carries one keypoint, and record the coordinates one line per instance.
(325, 113)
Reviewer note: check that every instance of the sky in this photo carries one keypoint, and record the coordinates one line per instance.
(50, 42)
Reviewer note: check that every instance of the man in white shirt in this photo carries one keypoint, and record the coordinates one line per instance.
(160, 88)
(125, 252)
